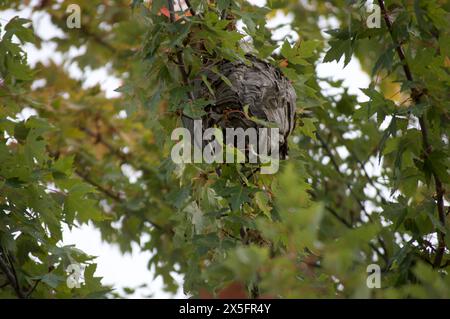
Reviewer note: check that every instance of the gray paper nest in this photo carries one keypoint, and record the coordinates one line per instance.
(267, 92)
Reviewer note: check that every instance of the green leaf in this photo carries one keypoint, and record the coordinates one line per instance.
(262, 200)
(16, 27)
(338, 48)
(78, 204)
(308, 128)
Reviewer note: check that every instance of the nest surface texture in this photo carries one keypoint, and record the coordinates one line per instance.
(259, 85)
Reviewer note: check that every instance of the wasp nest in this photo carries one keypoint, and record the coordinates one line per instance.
(254, 90)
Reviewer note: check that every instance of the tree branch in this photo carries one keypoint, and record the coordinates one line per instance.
(355, 196)
(10, 276)
(114, 196)
(83, 30)
(124, 157)
(189, 5)
(339, 217)
(336, 166)
(36, 283)
(427, 147)
(109, 193)
(349, 225)
(180, 61)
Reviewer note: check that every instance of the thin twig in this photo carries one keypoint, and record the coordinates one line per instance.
(13, 269)
(5, 284)
(339, 217)
(180, 61)
(191, 9)
(352, 192)
(349, 225)
(111, 194)
(10, 276)
(88, 34)
(36, 283)
(336, 166)
(124, 157)
(114, 196)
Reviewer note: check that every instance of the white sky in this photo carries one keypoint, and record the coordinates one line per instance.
(130, 270)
